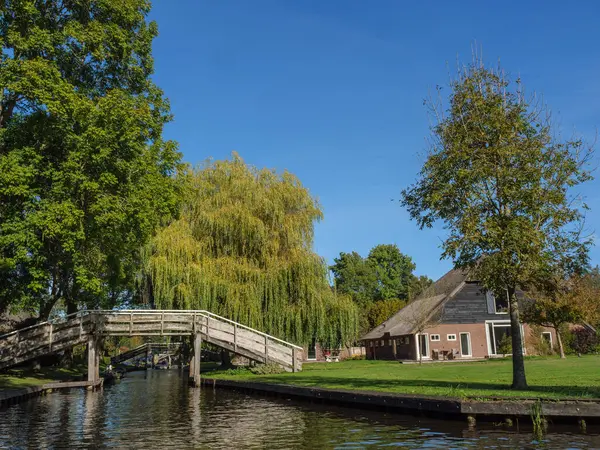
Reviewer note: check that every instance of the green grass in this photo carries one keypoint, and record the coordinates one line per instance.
(547, 377)
(23, 378)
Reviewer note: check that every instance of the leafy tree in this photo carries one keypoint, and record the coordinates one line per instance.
(355, 277)
(85, 176)
(382, 310)
(567, 302)
(243, 248)
(418, 285)
(393, 272)
(499, 181)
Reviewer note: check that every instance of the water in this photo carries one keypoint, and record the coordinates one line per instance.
(158, 410)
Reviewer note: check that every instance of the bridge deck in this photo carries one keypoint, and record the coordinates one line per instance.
(49, 337)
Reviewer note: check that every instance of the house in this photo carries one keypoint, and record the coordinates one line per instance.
(455, 318)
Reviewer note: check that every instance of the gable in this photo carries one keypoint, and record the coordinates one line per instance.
(472, 305)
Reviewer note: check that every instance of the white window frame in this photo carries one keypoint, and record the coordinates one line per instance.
(489, 338)
(418, 345)
(451, 337)
(551, 341)
(434, 337)
(470, 354)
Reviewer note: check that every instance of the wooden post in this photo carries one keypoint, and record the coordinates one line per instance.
(93, 360)
(148, 356)
(294, 360)
(235, 337)
(266, 350)
(195, 363)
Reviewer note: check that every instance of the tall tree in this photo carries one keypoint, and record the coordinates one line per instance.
(85, 176)
(243, 248)
(393, 271)
(500, 182)
(352, 275)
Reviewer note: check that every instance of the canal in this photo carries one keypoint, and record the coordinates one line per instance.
(156, 409)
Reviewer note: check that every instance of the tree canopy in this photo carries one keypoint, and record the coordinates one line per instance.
(243, 248)
(85, 176)
(500, 181)
(393, 272)
(379, 284)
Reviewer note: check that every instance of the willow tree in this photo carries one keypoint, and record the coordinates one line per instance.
(243, 248)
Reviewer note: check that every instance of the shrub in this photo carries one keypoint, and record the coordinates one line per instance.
(584, 341)
(267, 369)
(505, 345)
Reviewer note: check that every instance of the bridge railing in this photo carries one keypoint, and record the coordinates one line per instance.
(215, 329)
(68, 330)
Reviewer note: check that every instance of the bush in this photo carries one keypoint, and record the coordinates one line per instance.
(583, 340)
(356, 358)
(505, 345)
(267, 369)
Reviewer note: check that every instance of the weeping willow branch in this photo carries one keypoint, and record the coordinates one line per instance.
(243, 248)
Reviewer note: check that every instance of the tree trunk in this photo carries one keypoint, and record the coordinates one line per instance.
(67, 358)
(519, 379)
(560, 344)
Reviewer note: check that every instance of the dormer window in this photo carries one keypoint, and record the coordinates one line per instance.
(496, 304)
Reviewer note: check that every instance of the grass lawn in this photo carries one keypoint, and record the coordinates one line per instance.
(22, 378)
(547, 377)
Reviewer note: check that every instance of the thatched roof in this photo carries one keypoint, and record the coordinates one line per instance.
(422, 308)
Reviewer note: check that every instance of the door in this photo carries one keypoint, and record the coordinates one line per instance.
(424, 345)
(465, 344)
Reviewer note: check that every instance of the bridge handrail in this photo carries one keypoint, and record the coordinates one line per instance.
(192, 312)
(83, 312)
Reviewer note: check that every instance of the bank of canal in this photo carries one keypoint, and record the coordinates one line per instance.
(157, 408)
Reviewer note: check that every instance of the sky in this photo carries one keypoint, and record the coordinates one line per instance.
(333, 92)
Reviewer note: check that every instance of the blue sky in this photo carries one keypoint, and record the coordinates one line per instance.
(333, 92)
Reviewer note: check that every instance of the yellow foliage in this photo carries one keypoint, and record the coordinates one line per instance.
(243, 248)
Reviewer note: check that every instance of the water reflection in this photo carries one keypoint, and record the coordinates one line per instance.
(157, 408)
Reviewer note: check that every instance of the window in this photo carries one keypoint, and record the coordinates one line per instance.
(382, 343)
(451, 337)
(435, 337)
(376, 343)
(465, 344)
(547, 336)
(371, 344)
(496, 304)
(312, 351)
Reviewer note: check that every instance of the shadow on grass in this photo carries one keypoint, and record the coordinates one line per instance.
(436, 387)
(22, 378)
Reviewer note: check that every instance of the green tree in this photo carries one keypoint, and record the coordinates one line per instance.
(382, 310)
(352, 275)
(393, 272)
(564, 301)
(243, 248)
(418, 285)
(499, 181)
(85, 176)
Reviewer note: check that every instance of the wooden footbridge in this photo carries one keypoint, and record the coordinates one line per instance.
(91, 326)
(145, 349)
